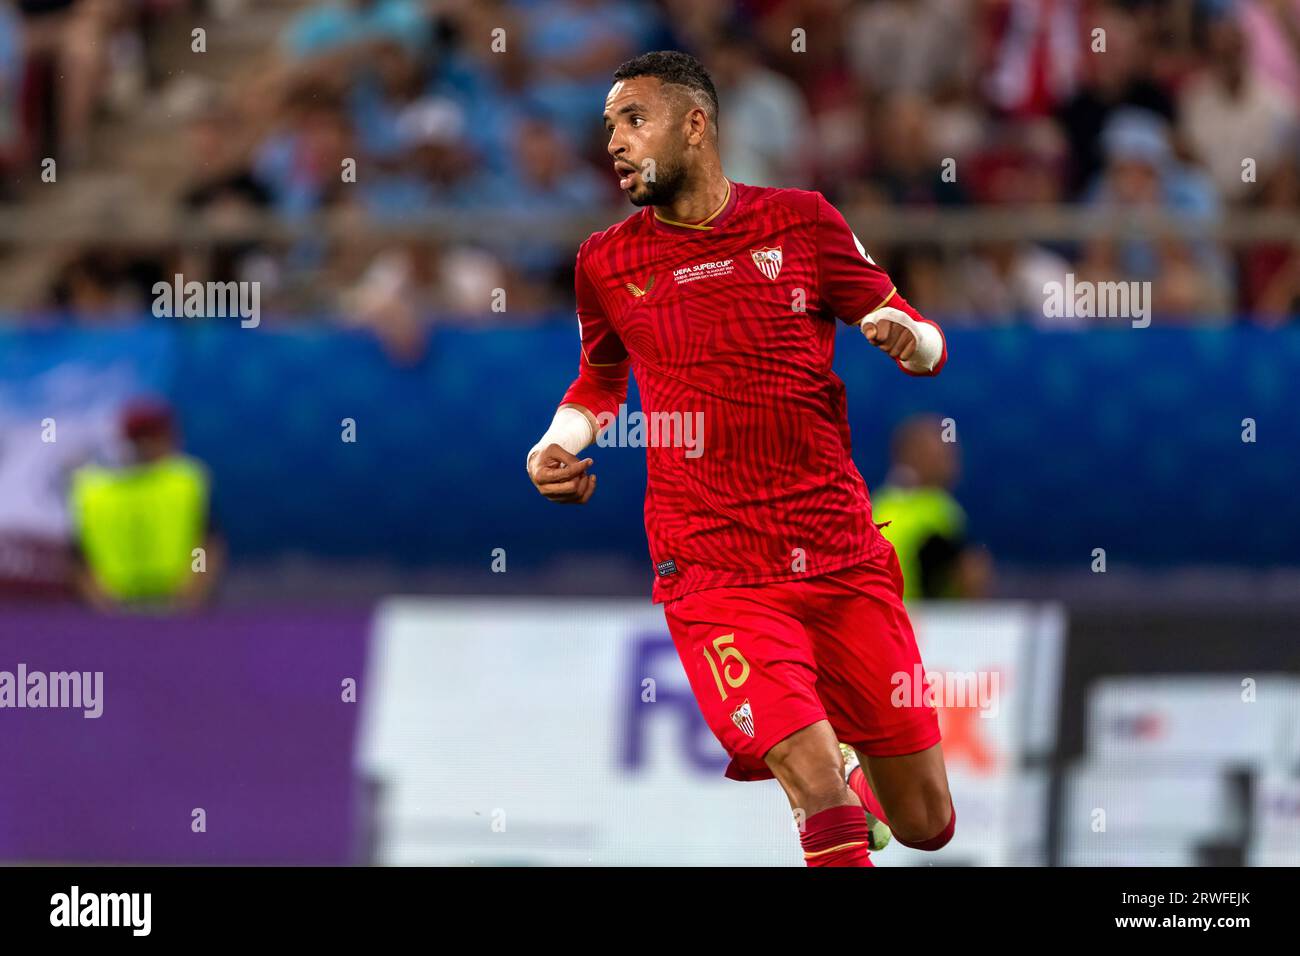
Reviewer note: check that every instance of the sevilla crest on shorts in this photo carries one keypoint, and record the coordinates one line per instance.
(743, 717)
(768, 260)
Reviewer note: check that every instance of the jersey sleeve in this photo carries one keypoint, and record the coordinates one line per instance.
(601, 385)
(850, 283)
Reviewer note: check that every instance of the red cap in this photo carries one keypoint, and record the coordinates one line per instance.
(146, 419)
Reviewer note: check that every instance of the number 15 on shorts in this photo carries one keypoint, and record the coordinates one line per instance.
(730, 665)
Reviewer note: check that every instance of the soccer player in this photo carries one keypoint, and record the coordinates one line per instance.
(783, 598)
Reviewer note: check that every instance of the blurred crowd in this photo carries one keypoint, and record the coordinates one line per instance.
(475, 108)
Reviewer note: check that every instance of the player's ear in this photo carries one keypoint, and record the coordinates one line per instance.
(697, 126)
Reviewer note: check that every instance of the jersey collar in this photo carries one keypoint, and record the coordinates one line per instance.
(708, 224)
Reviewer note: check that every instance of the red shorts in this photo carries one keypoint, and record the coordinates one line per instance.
(766, 660)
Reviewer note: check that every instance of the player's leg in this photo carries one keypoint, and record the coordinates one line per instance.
(810, 769)
(751, 669)
(910, 794)
(863, 642)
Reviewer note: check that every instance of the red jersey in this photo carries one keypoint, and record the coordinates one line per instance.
(730, 325)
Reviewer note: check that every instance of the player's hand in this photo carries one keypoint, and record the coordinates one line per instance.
(561, 477)
(891, 338)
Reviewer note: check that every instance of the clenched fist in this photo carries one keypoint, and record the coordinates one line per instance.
(560, 476)
(890, 337)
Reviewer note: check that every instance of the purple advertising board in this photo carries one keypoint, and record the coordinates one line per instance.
(220, 738)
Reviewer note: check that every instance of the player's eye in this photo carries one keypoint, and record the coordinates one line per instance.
(637, 120)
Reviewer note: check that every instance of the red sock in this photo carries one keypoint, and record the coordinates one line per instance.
(836, 837)
(858, 784)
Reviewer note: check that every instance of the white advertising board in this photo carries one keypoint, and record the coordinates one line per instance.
(1157, 721)
(544, 732)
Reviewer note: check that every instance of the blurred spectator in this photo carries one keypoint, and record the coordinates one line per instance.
(387, 301)
(929, 280)
(911, 46)
(392, 84)
(328, 27)
(106, 282)
(1142, 174)
(549, 180)
(69, 37)
(763, 131)
(1004, 282)
(923, 520)
(138, 527)
(436, 169)
(959, 124)
(1024, 165)
(1272, 30)
(1120, 77)
(550, 177)
(218, 163)
(907, 170)
(1230, 115)
(1038, 54)
(695, 24)
(223, 192)
(11, 72)
(574, 46)
(1271, 270)
(301, 162)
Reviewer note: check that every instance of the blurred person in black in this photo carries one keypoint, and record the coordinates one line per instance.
(923, 520)
(1121, 77)
(223, 193)
(145, 538)
(106, 282)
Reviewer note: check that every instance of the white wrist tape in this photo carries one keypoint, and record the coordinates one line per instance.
(929, 341)
(570, 429)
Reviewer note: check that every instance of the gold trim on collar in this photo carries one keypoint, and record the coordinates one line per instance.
(703, 223)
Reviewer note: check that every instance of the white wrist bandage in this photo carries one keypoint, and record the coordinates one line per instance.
(929, 341)
(570, 429)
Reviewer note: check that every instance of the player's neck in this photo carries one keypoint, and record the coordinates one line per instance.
(697, 207)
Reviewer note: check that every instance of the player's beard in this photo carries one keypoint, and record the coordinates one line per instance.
(667, 185)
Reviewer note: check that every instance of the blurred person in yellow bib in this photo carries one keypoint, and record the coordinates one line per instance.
(144, 530)
(922, 519)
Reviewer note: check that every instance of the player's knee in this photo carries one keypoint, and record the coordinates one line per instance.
(815, 795)
(812, 781)
(925, 824)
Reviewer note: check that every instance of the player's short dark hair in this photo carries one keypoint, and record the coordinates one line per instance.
(673, 66)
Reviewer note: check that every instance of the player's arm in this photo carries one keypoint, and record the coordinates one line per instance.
(599, 389)
(860, 292)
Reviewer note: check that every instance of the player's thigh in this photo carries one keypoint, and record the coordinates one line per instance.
(913, 789)
(866, 651)
(750, 666)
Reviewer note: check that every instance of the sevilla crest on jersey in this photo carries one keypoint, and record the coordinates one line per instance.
(768, 260)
